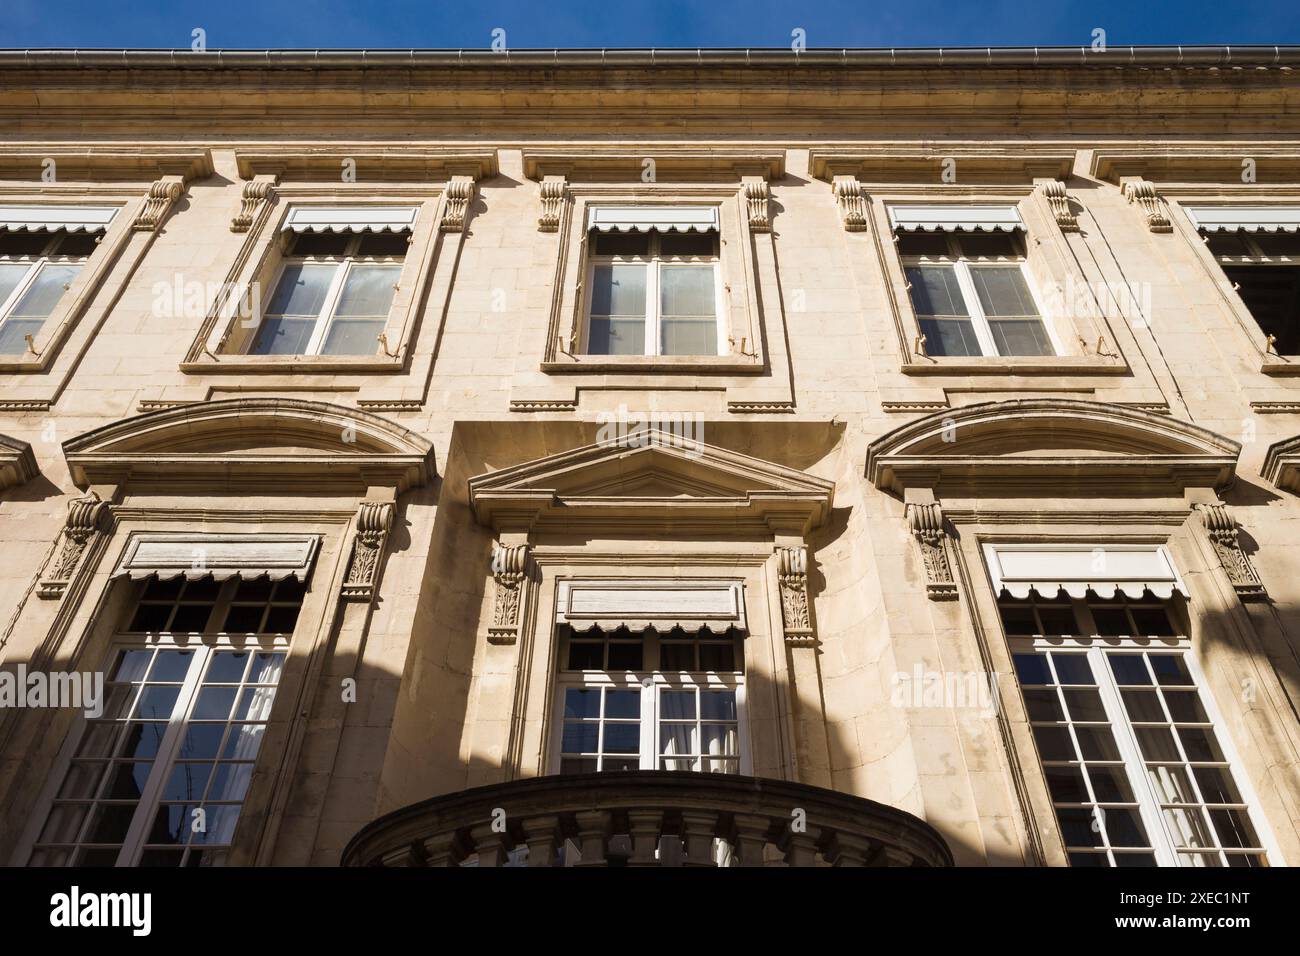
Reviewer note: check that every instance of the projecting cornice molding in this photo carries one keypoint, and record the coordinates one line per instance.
(964, 164)
(17, 463)
(661, 482)
(326, 163)
(1282, 464)
(661, 163)
(1199, 163)
(107, 163)
(996, 448)
(287, 445)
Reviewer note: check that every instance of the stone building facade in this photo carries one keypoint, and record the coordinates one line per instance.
(912, 438)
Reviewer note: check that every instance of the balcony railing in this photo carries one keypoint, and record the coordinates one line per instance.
(648, 818)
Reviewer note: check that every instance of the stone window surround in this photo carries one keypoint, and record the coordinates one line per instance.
(144, 184)
(259, 260)
(1048, 264)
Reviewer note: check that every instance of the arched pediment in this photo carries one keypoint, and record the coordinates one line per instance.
(253, 440)
(1002, 447)
(652, 481)
(17, 463)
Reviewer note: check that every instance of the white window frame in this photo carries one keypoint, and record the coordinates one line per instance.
(979, 321)
(1095, 649)
(654, 265)
(651, 682)
(36, 265)
(343, 264)
(204, 644)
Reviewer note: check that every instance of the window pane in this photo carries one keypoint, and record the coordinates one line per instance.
(387, 245)
(23, 243)
(44, 293)
(1272, 294)
(616, 336)
(368, 290)
(11, 273)
(321, 243)
(353, 337)
(622, 243)
(922, 244)
(1002, 291)
(688, 243)
(302, 289)
(688, 336)
(619, 289)
(687, 290)
(935, 291)
(1020, 337)
(989, 244)
(13, 335)
(282, 336)
(950, 337)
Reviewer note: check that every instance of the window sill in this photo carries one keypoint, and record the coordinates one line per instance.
(1016, 365)
(293, 363)
(24, 363)
(1280, 365)
(670, 364)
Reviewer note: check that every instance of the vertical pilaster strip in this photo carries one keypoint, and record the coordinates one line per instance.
(509, 570)
(374, 521)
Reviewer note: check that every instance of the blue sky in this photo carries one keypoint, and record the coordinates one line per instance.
(640, 23)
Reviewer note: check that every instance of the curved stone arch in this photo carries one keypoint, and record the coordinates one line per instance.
(17, 463)
(1045, 440)
(253, 439)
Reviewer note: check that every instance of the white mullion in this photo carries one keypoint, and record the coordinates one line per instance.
(719, 303)
(653, 291)
(650, 742)
(21, 288)
(980, 323)
(327, 308)
(147, 807)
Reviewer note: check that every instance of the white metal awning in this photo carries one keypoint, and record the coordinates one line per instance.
(351, 218)
(55, 218)
(646, 218)
(219, 556)
(955, 217)
(1106, 571)
(1245, 218)
(660, 604)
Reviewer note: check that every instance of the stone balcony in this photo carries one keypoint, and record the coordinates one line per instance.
(648, 818)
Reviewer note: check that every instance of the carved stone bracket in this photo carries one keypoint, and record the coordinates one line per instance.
(1223, 533)
(162, 194)
(792, 572)
(853, 210)
(555, 192)
(758, 195)
(925, 521)
(85, 518)
(509, 570)
(258, 193)
(374, 521)
(1143, 193)
(460, 190)
(1054, 191)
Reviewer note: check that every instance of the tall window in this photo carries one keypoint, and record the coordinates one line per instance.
(333, 294)
(654, 292)
(970, 293)
(1264, 267)
(160, 777)
(672, 701)
(1133, 763)
(36, 269)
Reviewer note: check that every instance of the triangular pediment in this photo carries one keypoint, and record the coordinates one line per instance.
(1041, 444)
(650, 477)
(252, 441)
(17, 463)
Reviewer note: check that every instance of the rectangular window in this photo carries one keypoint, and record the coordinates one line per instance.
(971, 295)
(333, 294)
(1133, 763)
(36, 269)
(671, 701)
(1264, 268)
(654, 292)
(160, 777)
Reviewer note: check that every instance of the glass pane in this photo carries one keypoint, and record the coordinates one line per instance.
(625, 656)
(616, 336)
(580, 738)
(187, 781)
(1128, 669)
(1054, 743)
(1188, 828)
(368, 290)
(719, 740)
(156, 703)
(950, 337)
(353, 337)
(586, 656)
(1097, 743)
(1084, 705)
(1216, 785)
(1020, 337)
(1170, 670)
(687, 290)
(688, 336)
(1044, 705)
(623, 703)
(1058, 619)
(13, 335)
(1157, 743)
(1072, 669)
(677, 704)
(622, 243)
(1079, 827)
(1066, 784)
(384, 245)
(23, 243)
(44, 293)
(11, 273)
(688, 243)
(622, 738)
(1110, 621)
(1124, 827)
(1002, 291)
(1233, 828)
(1199, 743)
(1171, 784)
(618, 289)
(1018, 619)
(1110, 784)
(677, 739)
(717, 657)
(922, 244)
(582, 702)
(935, 291)
(1032, 669)
(718, 705)
(1143, 706)
(989, 244)
(321, 243)
(281, 336)
(302, 289)
(677, 656)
